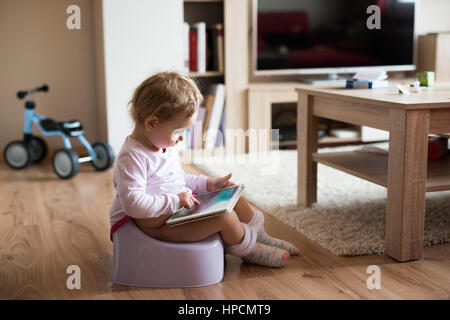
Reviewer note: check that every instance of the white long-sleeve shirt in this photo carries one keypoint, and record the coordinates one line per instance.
(147, 182)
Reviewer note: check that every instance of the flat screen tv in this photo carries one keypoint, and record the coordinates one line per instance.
(332, 36)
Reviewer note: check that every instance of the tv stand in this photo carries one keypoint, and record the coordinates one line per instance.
(261, 97)
(332, 80)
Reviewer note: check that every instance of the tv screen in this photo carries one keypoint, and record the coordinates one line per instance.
(310, 36)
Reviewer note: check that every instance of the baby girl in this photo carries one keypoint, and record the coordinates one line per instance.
(151, 184)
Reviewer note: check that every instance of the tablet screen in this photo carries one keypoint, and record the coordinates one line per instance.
(209, 202)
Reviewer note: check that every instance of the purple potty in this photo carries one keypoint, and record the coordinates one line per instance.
(140, 260)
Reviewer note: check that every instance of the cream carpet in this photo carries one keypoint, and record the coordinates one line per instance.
(349, 217)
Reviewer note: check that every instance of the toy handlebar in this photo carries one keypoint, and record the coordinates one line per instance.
(22, 94)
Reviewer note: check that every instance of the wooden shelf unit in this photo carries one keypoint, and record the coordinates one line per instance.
(373, 167)
(210, 12)
(261, 99)
(206, 74)
(233, 14)
(202, 1)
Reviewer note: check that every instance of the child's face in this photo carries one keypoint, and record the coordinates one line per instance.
(169, 133)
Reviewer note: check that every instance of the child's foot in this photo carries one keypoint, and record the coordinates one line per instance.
(264, 238)
(257, 223)
(267, 256)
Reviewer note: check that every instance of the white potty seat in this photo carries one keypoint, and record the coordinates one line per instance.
(140, 260)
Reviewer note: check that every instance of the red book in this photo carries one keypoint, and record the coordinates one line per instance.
(193, 66)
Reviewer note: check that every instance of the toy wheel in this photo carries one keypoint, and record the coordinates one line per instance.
(105, 156)
(65, 163)
(17, 155)
(38, 149)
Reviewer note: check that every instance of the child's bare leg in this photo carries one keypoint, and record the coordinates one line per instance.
(239, 239)
(243, 210)
(228, 225)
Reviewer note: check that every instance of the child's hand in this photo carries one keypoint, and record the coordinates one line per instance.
(214, 184)
(187, 200)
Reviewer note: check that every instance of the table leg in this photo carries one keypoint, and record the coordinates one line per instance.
(407, 174)
(307, 141)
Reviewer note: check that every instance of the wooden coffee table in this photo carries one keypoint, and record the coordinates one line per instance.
(406, 172)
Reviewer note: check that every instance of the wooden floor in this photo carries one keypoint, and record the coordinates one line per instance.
(47, 224)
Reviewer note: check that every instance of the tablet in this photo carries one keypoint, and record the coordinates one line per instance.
(211, 204)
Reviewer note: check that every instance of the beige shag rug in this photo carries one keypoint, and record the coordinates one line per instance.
(349, 217)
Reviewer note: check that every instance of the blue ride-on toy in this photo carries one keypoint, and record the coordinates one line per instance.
(33, 149)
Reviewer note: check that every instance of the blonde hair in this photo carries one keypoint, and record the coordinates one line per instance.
(165, 94)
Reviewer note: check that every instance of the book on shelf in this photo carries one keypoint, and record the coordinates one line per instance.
(214, 108)
(220, 139)
(219, 52)
(186, 47)
(196, 133)
(192, 50)
(209, 101)
(215, 44)
(204, 51)
(200, 29)
(211, 49)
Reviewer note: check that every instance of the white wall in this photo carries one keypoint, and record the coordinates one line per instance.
(433, 16)
(141, 37)
(36, 48)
